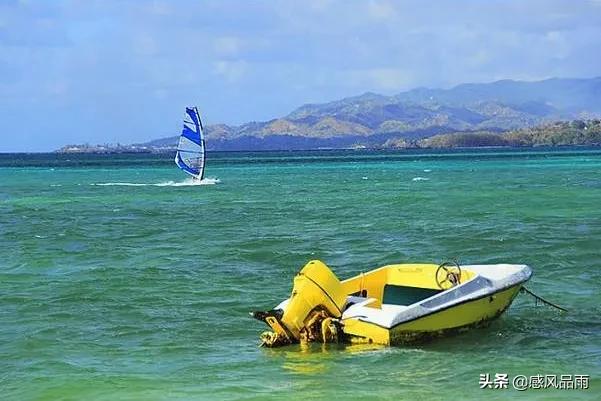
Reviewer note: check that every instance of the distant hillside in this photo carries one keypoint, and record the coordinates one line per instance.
(574, 133)
(374, 120)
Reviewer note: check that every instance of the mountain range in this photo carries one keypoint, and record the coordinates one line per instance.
(371, 120)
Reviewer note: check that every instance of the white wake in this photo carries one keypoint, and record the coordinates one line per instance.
(186, 183)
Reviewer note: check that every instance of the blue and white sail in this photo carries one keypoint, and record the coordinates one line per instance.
(191, 154)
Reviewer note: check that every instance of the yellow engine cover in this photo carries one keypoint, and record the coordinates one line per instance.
(314, 286)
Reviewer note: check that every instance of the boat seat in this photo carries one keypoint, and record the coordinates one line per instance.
(393, 308)
(353, 300)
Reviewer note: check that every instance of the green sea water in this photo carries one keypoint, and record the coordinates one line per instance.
(119, 282)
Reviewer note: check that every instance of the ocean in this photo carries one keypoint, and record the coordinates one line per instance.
(120, 281)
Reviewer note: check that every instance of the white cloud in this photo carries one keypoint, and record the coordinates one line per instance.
(380, 79)
(230, 71)
(160, 8)
(227, 45)
(144, 44)
(381, 9)
(558, 43)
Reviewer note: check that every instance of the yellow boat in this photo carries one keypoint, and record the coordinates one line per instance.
(392, 304)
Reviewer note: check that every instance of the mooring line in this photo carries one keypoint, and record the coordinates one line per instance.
(538, 298)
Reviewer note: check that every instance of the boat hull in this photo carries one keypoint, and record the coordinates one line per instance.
(393, 304)
(456, 318)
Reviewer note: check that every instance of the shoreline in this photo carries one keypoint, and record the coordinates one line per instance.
(342, 149)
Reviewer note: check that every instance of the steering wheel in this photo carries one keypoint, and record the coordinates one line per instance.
(448, 272)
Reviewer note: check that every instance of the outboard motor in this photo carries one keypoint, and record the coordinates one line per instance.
(312, 311)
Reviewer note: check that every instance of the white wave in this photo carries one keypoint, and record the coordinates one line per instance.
(427, 170)
(186, 183)
(119, 184)
(420, 179)
(364, 178)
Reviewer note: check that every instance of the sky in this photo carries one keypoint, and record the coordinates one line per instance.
(91, 71)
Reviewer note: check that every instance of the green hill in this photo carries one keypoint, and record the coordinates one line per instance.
(574, 133)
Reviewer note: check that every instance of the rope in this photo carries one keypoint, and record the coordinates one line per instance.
(537, 298)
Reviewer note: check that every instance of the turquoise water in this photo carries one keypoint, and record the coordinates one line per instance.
(142, 292)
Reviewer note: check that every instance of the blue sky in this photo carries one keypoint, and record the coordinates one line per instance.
(122, 71)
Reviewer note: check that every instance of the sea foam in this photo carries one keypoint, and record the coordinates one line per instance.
(186, 183)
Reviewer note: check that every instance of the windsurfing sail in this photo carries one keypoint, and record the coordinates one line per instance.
(191, 155)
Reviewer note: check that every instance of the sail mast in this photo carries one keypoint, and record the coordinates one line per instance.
(202, 140)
